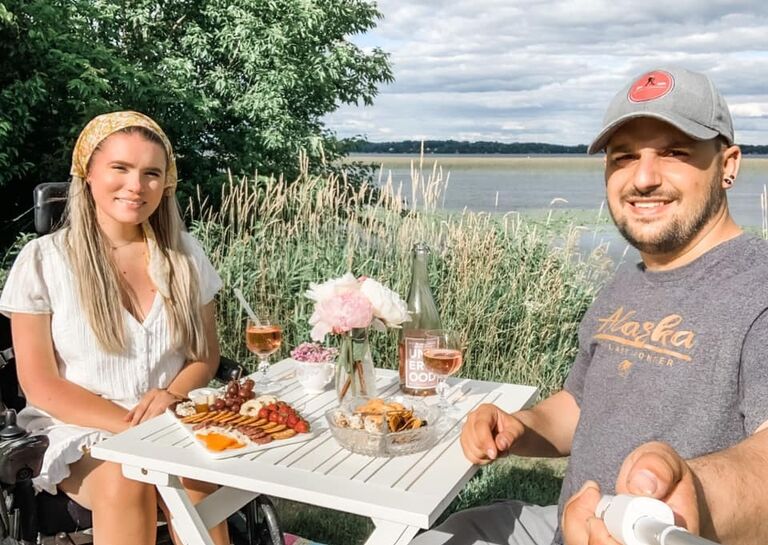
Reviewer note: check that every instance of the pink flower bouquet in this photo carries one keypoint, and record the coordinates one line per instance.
(346, 303)
(347, 306)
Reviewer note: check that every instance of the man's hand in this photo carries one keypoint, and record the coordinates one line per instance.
(152, 404)
(657, 470)
(580, 526)
(488, 432)
(653, 469)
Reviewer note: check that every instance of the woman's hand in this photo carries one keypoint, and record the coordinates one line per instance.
(154, 402)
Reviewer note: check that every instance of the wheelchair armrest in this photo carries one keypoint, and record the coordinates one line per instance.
(229, 370)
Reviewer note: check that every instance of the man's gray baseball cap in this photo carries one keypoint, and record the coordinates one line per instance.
(687, 100)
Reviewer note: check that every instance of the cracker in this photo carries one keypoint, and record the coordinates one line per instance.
(285, 434)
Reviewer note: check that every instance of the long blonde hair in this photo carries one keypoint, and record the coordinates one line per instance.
(99, 283)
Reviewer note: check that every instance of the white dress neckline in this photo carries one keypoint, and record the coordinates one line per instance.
(150, 317)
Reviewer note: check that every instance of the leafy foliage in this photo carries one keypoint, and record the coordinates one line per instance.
(237, 84)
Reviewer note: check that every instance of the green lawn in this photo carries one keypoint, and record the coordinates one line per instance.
(531, 480)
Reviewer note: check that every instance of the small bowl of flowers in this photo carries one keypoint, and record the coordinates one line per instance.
(315, 366)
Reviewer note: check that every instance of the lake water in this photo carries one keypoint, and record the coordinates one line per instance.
(532, 184)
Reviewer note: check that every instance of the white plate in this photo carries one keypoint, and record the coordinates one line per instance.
(316, 427)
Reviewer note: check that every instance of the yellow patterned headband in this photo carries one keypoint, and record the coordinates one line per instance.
(101, 126)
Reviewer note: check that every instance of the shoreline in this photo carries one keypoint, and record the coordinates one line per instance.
(496, 161)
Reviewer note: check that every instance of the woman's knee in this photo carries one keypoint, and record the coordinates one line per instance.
(112, 487)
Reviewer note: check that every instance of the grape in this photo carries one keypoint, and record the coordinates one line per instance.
(218, 405)
(235, 407)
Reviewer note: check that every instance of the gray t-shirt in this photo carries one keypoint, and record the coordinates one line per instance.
(679, 356)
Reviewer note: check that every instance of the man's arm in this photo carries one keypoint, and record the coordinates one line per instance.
(546, 430)
(731, 486)
(549, 427)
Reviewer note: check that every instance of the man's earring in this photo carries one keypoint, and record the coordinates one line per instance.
(728, 180)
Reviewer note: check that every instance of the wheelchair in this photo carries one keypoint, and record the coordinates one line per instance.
(27, 518)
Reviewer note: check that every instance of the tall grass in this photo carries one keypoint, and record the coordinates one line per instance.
(516, 289)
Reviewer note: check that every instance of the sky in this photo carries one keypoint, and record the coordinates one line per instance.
(544, 71)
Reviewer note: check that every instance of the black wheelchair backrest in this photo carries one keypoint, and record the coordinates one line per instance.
(50, 200)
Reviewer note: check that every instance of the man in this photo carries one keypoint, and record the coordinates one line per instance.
(668, 395)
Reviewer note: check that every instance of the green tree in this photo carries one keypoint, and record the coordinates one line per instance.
(237, 84)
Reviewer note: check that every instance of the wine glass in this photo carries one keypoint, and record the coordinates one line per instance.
(443, 355)
(264, 339)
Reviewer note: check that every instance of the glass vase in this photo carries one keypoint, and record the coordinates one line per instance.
(355, 375)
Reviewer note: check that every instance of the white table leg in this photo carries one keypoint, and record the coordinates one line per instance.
(191, 522)
(391, 533)
(221, 504)
(186, 521)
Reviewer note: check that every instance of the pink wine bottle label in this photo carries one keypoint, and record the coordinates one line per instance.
(417, 376)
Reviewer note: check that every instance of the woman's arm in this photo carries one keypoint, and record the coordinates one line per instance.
(45, 389)
(193, 375)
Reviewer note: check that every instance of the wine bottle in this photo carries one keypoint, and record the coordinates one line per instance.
(415, 378)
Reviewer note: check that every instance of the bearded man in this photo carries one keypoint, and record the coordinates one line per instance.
(668, 396)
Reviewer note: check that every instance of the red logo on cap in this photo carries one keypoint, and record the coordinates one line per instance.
(651, 86)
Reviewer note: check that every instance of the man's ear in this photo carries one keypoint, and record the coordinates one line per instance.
(731, 161)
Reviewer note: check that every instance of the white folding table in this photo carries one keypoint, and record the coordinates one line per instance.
(401, 494)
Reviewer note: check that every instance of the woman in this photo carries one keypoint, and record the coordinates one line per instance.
(112, 320)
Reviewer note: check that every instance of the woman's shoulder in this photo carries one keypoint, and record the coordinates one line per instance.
(209, 279)
(36, 276)
(44, 247)
(193, 247)
(188, 240)
(191, 244)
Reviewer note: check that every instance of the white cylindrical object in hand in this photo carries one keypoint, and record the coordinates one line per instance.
(621, 512)
(638, 520)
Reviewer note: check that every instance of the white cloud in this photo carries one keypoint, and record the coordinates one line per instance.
(750, 109)
(514, 70)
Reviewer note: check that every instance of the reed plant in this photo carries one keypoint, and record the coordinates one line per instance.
(515, 289)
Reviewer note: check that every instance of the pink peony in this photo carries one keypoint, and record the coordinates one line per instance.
(340, 313)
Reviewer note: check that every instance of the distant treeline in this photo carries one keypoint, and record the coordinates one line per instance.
(456, 146)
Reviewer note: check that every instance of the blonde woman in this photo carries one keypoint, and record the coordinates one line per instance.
(113, 320)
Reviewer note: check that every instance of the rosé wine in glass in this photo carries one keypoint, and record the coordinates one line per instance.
(443, 361)
(443, 356)
(263, 339)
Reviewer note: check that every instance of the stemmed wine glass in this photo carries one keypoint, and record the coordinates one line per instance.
(443, 356)
(264, 339)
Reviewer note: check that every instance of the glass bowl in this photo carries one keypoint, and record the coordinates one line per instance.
(374, 437)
